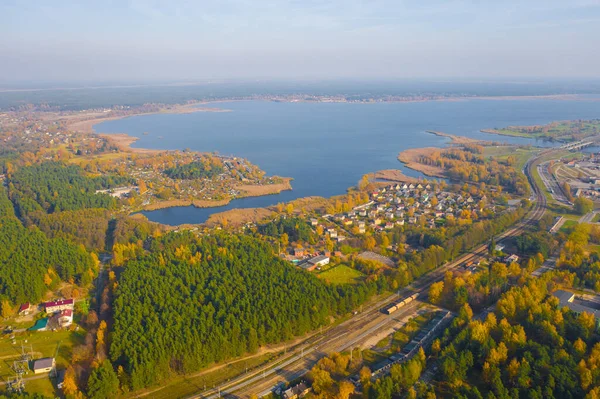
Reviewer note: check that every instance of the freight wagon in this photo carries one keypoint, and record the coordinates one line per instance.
(398, 305)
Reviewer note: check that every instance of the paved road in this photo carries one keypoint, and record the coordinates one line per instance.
(588, 217)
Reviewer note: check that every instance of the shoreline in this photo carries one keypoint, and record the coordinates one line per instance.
(248, 189)
(393, 175)
(84, 125)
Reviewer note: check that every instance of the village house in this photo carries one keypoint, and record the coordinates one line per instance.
(65, 318)
(297, 391)
(25, 309)
(55, 306)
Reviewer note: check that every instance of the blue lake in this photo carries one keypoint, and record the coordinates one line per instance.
(327, 147)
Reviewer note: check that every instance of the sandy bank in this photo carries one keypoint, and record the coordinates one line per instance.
(85, 123)
(411, 158)
(459, 140)
(393, 175)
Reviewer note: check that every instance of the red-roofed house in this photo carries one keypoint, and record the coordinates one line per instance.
(56, 306)
(65, 319)
(25, 309)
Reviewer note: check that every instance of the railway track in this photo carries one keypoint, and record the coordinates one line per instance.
(372, 319)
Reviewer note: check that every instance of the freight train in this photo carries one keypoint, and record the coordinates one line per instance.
(398, 305)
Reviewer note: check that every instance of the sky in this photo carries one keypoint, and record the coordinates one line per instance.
(211, 40)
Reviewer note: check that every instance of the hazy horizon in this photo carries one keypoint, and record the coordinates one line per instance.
(148, 41)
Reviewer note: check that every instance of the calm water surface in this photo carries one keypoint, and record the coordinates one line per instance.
(327, 147)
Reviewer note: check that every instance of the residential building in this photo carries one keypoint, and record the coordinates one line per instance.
(65, 318)
(25, 309)
(568, 299)
(296, 391)
(56, 306)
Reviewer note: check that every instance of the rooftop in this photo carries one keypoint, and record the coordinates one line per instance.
(43, 363)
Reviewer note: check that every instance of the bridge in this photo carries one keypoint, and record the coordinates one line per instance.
(577, 145)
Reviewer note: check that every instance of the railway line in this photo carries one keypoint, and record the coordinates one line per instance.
(354, 330)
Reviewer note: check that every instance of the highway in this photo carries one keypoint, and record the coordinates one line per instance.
(358, 328)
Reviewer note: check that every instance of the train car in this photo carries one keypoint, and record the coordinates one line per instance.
(398, 305)
(391, 309)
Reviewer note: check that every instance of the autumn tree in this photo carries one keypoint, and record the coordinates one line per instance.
(583, 205)
(435, 292)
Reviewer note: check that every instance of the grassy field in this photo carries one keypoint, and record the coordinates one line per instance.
(109, 156)
(502, 152)
(341, 274)
(44, 344)
(568, 226)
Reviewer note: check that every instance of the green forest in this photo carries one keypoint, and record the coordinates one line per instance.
(193, 301)
(31, 263)
(527, 348)
(54, 187)
(195, 170)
